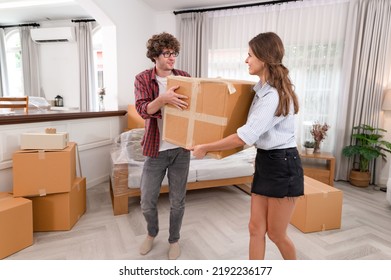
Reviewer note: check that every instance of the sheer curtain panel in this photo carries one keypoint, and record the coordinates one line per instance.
(370, 68)
(191, 30)
(314, 35)
(30, 62)
(3, 65)
(88, 94)
(337, 51)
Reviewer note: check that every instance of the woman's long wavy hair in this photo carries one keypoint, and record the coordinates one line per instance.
(269, 48)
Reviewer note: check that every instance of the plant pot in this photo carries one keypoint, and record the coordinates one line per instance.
(359, 179)
(309, 151)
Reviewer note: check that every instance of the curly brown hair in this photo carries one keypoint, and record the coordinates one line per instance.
(157, 43)
(268, 47)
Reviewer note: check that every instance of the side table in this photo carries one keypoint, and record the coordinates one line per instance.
(320, 166)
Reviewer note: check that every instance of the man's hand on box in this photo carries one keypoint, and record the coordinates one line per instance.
(173, 98)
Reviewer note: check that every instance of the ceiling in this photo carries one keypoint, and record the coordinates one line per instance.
(47, 10)
(66, 9)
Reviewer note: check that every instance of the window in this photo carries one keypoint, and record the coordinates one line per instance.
(314, 70)
(314, 40)
(14, 63)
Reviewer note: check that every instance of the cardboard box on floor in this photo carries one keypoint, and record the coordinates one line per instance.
(319, 209)
(60, 211)
(16, 224)
(41, 172)
(217, 108)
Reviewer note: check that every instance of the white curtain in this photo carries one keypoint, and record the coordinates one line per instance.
(3, 65)
(191, 30)
(314, 34)
(30, 62)
(337, 51)
(88, 94)
(369, 71)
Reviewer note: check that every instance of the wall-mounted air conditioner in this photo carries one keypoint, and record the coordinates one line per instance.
(53, 34)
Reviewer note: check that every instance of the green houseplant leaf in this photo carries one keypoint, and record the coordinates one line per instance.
(367, 146)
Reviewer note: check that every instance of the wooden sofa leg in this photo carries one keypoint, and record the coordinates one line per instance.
(244, 187)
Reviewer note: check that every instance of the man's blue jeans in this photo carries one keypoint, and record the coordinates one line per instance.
(176, 163)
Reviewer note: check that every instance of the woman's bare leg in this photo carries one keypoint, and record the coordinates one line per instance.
(280, 211)
(257, 227)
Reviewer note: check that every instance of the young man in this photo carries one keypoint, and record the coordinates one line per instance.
(151, 94)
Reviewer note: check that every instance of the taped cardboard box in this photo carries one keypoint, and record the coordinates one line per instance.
(16, 224)
(319, 209)
(42, 172)
(60, 211)
(217, 108)
(36, 140)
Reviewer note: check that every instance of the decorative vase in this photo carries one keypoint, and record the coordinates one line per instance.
(101, 103)
(317, 147)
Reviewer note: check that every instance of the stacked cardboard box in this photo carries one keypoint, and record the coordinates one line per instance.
(319, 209)
(48, 178)
(42, 172)
(37, 140)
(60, 211)
(16, 224)
(217, 108)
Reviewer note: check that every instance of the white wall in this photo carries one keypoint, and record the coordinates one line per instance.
(134, 23)
(166, 22)
(59, 68)
(384, 167)
(126, 27)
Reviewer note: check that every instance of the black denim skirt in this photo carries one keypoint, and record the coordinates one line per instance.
(278, 173)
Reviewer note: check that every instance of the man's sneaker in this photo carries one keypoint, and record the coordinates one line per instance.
(146, 246)
(174, 251)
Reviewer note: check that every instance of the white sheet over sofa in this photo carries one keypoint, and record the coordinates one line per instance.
(127, 150)
(237, 165)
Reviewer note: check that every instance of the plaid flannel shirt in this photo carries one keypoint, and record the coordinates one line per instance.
(146, 89)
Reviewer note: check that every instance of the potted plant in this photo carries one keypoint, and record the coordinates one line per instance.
(309, 147)
(367, 145)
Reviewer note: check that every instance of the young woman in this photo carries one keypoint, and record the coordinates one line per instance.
(278, 177)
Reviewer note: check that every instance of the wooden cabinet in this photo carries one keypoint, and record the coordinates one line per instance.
(320, 166)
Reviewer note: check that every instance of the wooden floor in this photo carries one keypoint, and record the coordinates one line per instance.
(214, 227)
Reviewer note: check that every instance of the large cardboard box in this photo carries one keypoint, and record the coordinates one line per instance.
(42, 172)
(36, 140)
(319, 209)
(217, 108)
(60, 211)
(16, 224)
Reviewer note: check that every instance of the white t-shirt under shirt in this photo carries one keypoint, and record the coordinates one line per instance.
(164, 145)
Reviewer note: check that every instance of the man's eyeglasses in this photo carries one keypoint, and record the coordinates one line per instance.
(168, 54)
